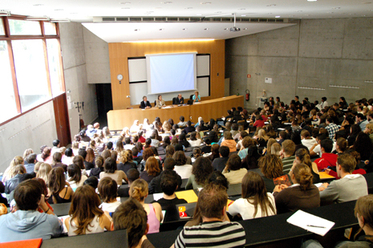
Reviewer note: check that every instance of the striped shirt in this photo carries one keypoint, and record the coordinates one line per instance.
(287, 164)
(212, 234)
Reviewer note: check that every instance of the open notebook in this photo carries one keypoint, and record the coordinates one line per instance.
(310, 222)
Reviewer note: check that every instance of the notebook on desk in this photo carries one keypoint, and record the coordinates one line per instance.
(30, 243)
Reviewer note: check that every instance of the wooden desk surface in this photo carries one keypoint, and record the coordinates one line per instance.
(215, 108)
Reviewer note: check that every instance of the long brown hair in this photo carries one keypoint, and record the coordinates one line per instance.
(304, 156)
(84, 207)
(254, 191)
(56, 180)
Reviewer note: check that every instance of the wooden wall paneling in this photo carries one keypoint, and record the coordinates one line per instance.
(119, 53)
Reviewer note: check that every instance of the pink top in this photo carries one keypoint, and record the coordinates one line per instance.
(152, 220)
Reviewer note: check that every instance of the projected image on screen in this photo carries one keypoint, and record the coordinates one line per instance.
(171, 72)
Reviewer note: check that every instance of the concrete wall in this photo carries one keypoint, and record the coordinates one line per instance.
(76, 76)
(97, 58)
(327, 57)
(31, 130)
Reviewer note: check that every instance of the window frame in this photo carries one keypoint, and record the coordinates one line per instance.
(9, 38)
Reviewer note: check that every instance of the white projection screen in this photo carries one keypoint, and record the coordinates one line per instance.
(168, 73)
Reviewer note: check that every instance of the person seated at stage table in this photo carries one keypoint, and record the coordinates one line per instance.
(159, 103)
(178, 100)
(145, 104)
(130, 215)
(196, 97)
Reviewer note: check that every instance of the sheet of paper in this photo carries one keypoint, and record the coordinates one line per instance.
(157, 196)
(62, 218)
(310, 222)
(187, 195)
(324, 175)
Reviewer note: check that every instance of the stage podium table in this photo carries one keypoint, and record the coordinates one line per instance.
(215, 108)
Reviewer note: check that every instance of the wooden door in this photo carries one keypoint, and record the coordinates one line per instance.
(62, 119)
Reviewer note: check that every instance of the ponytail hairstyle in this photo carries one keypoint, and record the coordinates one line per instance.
(303, 176)
(304, 157)
(364, 207)
(139, 189)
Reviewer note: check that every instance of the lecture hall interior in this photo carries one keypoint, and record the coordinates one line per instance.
(60, 60)
(306, 48)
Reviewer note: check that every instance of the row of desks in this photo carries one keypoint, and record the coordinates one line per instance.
(273, 231)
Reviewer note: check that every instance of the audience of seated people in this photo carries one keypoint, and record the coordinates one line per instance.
(263, 157)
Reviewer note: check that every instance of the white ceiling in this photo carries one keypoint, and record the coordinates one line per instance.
(86, 11)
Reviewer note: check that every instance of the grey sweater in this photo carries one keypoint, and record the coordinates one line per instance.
(345, 189)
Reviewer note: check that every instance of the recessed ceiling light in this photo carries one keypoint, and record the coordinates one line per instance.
(277, 16)
(243, 15)
(125, 3)
(205, 2)
(189, 8)
(136, 29)
(311, 0)
(206, 29)
(37, 4)
(271, 5)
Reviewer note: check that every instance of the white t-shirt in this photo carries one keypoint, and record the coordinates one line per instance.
(184, 171)
(195, 142)
(309, 142)
(109, 207)
(246, 210)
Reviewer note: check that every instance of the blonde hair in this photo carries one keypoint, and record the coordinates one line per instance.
(27, 152)
(276, 148)
(10, 172)
(123, 156)
(43, 172)
(139, 189)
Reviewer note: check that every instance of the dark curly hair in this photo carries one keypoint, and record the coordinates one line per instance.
(202, 169)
